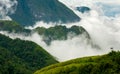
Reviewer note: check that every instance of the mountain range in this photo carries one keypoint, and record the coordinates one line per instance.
(19, 56)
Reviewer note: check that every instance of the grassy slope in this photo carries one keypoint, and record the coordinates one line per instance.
(22, 57)
(106, 64)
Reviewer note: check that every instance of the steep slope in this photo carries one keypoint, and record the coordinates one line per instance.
(30, 11)
(22, 57)
(106, 64)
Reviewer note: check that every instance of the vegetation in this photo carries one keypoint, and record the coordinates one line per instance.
(49, 34)
(12, 26)
(30, 11)
(22, 57)
(106, 64)
(60, 32)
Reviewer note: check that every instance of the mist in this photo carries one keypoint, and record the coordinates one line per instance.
(103, 29)
(7, 7)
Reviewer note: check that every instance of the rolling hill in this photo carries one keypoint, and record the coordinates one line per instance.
(106, 64)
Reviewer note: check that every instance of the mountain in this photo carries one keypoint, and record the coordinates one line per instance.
(22, 57)
(29, 11)
(106, 64)
(83, 9)
(50, 34)
(60, 33)
(12, 26)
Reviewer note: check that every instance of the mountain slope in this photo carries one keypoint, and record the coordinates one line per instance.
(30, 11)
(60, 33)
(48, 34)
(22, 57)
(12, 26)
(106, 64)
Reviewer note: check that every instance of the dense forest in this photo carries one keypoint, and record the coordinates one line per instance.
(22, 57)
(106, 64)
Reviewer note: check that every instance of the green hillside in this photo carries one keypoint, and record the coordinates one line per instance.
(22, 57)
(57, 32)
(60, 32)
(30, 11)
(106, 64)
(12, 26)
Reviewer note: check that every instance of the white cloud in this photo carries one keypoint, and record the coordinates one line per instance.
(6, 7)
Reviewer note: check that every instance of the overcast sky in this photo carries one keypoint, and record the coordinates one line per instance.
(109, 1)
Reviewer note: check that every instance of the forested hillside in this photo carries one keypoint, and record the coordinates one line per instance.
(12, 26)
(60, 33)
(49, 34)
(22, 57)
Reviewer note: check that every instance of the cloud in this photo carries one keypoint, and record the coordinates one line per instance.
(7, 7)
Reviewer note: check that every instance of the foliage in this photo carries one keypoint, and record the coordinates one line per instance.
(106, 64)
(30, 11)
(22, 57)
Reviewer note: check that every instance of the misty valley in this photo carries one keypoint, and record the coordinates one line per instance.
(59, 37)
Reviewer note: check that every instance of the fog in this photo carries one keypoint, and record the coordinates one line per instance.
(103, 29)
(7, 7)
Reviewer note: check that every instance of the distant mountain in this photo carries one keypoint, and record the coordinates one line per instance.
(12, 26)
(106, 64)
(83, 9)
(60, 33)
(48, 34)
(22, 57)
(30, 11)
